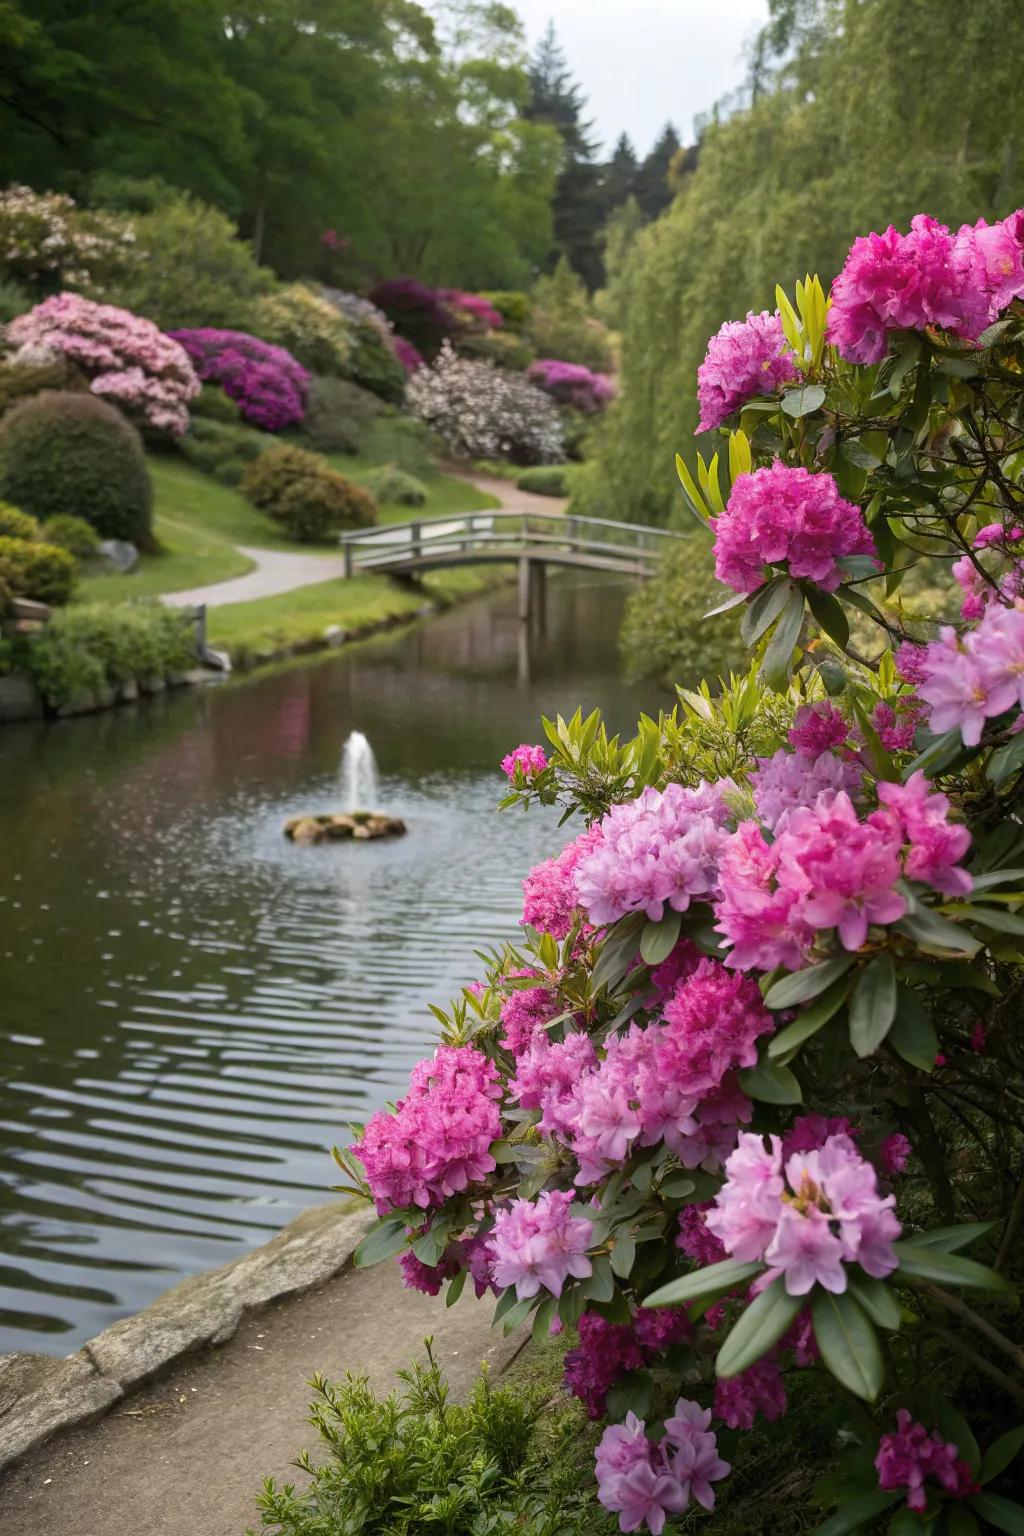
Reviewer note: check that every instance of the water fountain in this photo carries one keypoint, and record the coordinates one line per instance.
(359, 819)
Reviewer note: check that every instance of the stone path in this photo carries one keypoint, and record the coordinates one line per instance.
(190, 1453)
(277, 571)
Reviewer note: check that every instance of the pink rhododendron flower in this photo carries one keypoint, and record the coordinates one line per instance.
(550, 898)
(936, 844)
(817, 728)
(712, 1024)
(739, 1399)
(532, 760)
(808, 1218)
(538, 1243)
(546, 1078)
(643, 1483)
(427, 1278)
(525, 1011)
(911, 662)
(896, 730)
(682, 962)
(895, 1153)
(607, 1351)
(694, 1238)
(905, 1459)
(267, 383)
(928, 277)
(790, 518)
(969, 680)
(809, 1132)
(660, 849)
(437, 1141)
(791, 779)
(744, 358)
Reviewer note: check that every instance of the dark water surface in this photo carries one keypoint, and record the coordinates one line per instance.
(191, 1007)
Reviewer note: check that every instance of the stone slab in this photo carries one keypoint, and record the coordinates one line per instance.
(40, 1394)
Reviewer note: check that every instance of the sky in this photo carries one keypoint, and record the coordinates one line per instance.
(642, 63)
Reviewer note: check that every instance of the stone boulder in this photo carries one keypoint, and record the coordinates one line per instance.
(343, 826)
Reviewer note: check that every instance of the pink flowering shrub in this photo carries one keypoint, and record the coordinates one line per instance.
(126, 359)
(266, 381)
(752, 1069)
(572, 384)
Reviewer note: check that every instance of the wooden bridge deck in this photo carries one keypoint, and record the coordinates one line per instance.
(543, 538)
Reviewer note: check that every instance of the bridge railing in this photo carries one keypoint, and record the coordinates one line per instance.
(493, 534)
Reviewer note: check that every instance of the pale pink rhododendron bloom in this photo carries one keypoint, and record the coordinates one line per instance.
(807, 1218)
(971, 679)
(790, 518)
(911, 1455)
(643, 1483)
(744, 358)
(540, 1243)
(659, 850)
(790, 779)
(531, 759)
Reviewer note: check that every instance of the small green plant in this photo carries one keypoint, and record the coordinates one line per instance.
(300, 491)
(40, 571)
(72, 453)
(87, 648)
(18, 525)
(417, 1464)
(74, 534)
(546, 480)
(221, 448)
(391, 484)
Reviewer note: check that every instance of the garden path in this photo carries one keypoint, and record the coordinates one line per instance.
(189, 1452)
(277, 571)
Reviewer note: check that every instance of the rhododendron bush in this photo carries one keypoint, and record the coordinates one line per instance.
(744, 1104)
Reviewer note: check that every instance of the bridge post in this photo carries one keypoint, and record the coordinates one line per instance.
(347, 548)
(414, 539)
(532, 584)
(525, 588)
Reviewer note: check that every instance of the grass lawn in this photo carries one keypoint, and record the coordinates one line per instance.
(272, 623)
(199, 524)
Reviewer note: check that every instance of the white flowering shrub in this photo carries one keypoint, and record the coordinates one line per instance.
(482, 412)
(47, 241)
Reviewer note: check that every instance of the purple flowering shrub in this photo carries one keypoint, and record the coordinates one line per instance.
(573, 385)
(742, 1106)
(267, 383)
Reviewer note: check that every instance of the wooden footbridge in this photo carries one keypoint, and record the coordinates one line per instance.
(531, 540)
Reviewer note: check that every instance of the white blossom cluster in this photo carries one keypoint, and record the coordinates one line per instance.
(484, 412)
(360, 312)
(46, 234)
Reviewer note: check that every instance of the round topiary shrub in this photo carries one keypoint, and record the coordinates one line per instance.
(39, 571)
(300, 491)
(17, 525)
(74, 534)
(72, 453)
(545, 480)
(394, 485)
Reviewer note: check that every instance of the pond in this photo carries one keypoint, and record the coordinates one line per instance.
(193, 1009)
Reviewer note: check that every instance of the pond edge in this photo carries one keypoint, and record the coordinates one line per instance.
(43, 1394)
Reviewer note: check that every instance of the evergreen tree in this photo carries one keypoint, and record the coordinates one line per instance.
(620, 174)
(556, 98)
(651, 186)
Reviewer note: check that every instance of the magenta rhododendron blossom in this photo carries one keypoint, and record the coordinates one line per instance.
(409, 356)
(572, 384)
(694, 1238)
(790, 518)
(550, 899)
(910, 1456)
(524, 1012)
(935, 844)
(817, 728)
(660, 849)
(809, 1132)
(744, 358)
(540, 1243)
(643, 1483)
(807, 1218)
(437, 1142)
(929, 277)
(607, 1351)
(530, 759)
(428, 1278)
(758, 1390)
(895, 1153)
(127, 359)
(267, 383)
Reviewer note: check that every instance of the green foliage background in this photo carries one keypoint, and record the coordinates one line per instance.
(863, 112)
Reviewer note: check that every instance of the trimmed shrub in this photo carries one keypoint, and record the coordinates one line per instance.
(73, 453)
(220, 449)
(482, 412)
(307, 326)
(546, 480)
(17, 525)
(93, 646)
(305, 495)
(394, 485)
(41, 571)
(514, 307)
(192, 269)
(72, 533)
(266, 381)
(213, 404)
(339, 415)
(372, 362)
(124, 356)
(19, 380)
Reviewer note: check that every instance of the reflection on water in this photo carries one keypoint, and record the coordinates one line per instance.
(191, 1007)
